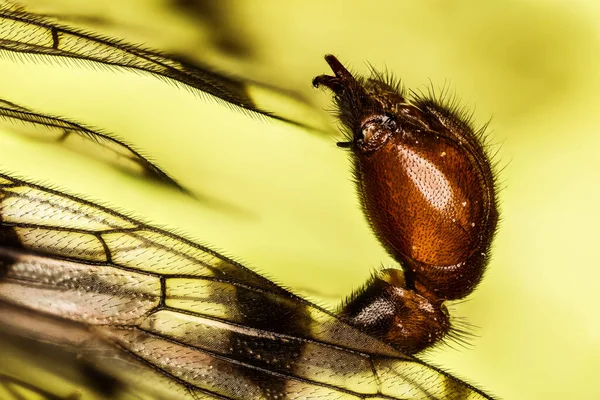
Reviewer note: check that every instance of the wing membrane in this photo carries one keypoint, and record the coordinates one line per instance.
(99, 144)
(29, 34)
(114, 308)
(157, 304)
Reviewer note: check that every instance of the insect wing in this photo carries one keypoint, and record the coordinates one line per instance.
(152, 312)
(121, 308)
(98, 144)
(25, 34)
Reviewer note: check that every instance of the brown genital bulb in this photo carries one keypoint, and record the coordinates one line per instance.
(428, 192)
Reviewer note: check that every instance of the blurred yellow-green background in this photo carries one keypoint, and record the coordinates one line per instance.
(280, 198)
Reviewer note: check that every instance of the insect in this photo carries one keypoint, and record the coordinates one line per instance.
(428, 190)
(112, 307)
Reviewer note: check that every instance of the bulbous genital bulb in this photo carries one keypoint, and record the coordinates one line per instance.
(427, 189)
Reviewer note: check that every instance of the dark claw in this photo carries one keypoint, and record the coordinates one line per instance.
(330, 82)
(342, 80)
(338, 69)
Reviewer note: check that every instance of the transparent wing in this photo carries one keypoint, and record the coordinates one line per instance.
(26, 34)
(95, 143)
(128, 309)
(192, 25)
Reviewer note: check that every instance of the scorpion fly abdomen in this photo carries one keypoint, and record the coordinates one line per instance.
(427, 189)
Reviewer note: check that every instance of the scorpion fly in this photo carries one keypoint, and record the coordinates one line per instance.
(97, 304)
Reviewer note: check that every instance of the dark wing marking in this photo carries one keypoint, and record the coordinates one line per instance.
(29, 34)
(146, 307)
(100, 145)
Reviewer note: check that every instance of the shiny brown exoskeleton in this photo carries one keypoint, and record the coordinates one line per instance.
(428, 191)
